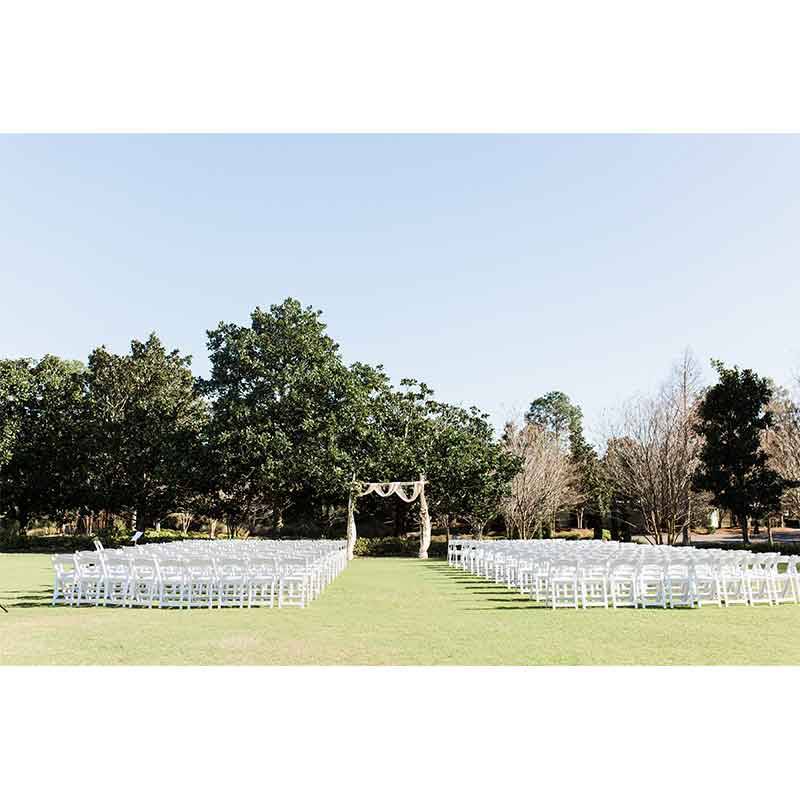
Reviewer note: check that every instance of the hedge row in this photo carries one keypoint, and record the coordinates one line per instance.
(375, 547)
(396, 546)
(787, 548)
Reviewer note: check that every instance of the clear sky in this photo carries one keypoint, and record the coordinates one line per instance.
(495, 268)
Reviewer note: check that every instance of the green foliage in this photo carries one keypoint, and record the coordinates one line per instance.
(281, 427)
(785, 548)
(15, 391)
(288, 417)
(576, 535)
(397, 546)
(733, 416)
(144, 424)
(40, 420)
(556, 413)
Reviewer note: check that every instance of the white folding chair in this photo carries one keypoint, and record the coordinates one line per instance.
(650, 586)
(293, 583)
(231, 581)
(88, 578)
(594, 584)
(758, 577)
(679, 585)
(172, 589)
(705, 576)
(201, 583)
(262, 579)
(732, 580)
(116, 578)
(563, 579)
(144, 583)
(784, 588)
(623, 584)
(63, 579)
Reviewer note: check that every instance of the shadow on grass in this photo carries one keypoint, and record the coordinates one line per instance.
(26, 599)
(481, 586)
(532, 606)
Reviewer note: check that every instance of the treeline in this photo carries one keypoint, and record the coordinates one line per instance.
(282, 427)
(279, 429)
(672, 462)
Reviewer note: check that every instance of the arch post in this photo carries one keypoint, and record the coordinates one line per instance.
(424, 521)
(352, 533)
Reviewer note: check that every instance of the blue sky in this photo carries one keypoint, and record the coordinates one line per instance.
(496, 268)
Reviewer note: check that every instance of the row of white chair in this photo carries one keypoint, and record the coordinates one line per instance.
(600, 574)
(199, 574)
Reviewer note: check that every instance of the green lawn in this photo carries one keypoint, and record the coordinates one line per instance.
(383, 611)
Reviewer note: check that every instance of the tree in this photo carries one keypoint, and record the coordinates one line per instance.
(15, 389)
(593, 490)
(652, 454)
(782, 445)
(556, 413)
(732, 417)
(409, 434)
(145, 423)
(470, 469)
(545, 482)
(287, 414)
(40, 412)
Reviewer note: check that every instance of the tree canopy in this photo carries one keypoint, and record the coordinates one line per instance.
(732, 418)
(280, 426)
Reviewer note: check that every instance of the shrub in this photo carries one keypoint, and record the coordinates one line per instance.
(396, 546)
(786, 548)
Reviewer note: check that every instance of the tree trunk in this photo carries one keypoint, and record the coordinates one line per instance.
(745, 529)
(769, 532)
(424, 523)
(687, 530)
(398, 518)
(212, 528)
(351, 527)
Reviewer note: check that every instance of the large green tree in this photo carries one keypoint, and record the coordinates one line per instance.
(467, 469)
(41, 407)
(288, 415)
(145, 427)
(732, 418)
(470, 469)
(15, 389)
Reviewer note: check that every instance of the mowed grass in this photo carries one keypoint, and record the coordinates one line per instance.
(383, 611)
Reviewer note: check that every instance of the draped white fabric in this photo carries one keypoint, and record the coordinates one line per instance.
(407, 491)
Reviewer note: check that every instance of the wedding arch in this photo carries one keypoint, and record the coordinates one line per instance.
(407, 491)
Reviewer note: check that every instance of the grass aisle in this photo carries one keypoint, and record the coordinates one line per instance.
(383, 611)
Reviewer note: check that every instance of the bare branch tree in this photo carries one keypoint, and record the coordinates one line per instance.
(653, 451)
(782, 444)
(544, 486)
